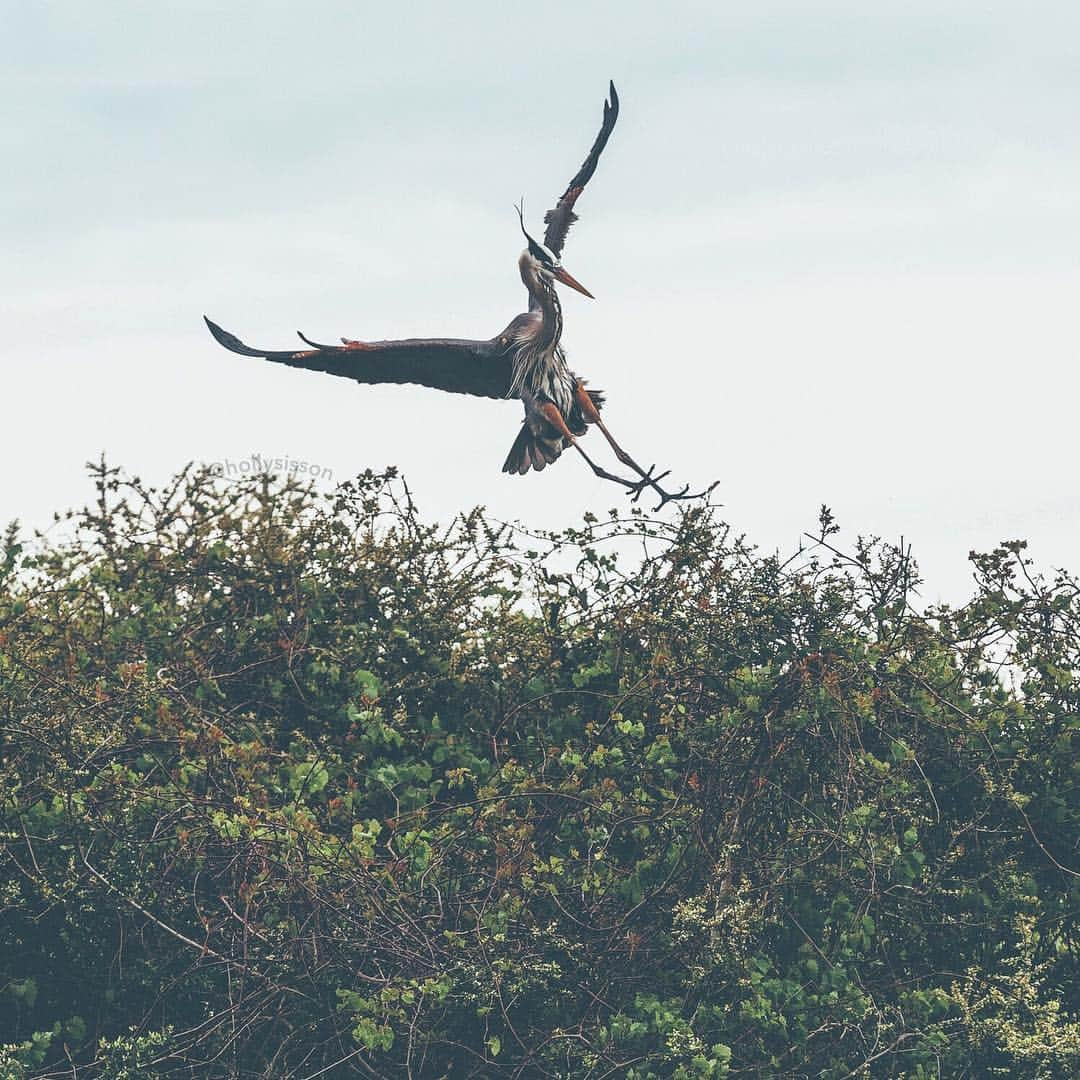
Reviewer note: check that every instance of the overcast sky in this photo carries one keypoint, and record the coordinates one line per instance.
(834, 248)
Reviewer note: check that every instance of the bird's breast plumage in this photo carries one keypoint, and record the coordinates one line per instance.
(545, 375)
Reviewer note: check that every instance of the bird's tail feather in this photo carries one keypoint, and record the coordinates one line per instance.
(531, 452)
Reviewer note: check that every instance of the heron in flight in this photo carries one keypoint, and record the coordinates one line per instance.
(526, 361)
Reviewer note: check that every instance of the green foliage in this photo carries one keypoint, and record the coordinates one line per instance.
(300, 785)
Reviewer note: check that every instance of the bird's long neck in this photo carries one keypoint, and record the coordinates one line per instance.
(546, 300)
(539, 363)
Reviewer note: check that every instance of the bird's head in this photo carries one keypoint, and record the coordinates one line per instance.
(543, 262)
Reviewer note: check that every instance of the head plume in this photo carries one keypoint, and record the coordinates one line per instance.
(536, 249)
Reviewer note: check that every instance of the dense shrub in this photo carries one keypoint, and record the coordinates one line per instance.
(300, 785)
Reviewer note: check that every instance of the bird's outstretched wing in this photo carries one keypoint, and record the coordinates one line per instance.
(562, 216)
(482, 368)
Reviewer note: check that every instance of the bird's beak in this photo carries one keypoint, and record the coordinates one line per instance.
(567, 279)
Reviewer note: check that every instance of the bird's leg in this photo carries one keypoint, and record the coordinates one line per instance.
(592, 416)
(550, 412)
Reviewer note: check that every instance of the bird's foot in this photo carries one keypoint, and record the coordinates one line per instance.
(648, 480)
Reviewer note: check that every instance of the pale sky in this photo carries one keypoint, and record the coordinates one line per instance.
(834, 248)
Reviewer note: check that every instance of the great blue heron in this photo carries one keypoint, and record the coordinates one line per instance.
(525, 361)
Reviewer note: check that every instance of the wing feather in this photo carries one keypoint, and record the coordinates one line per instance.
(561, 216)
(458, 366)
